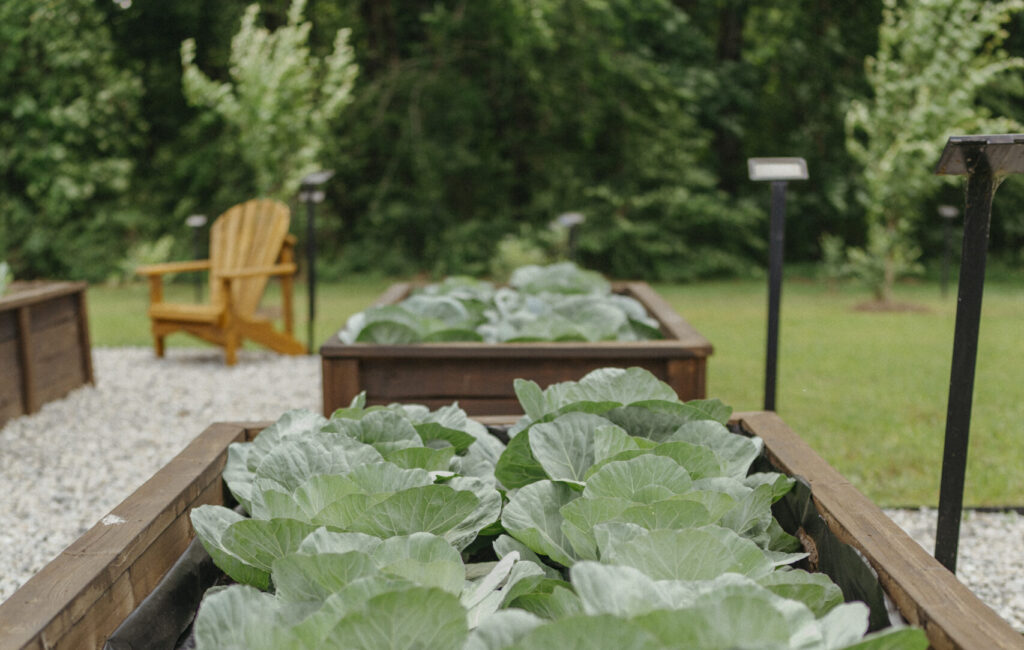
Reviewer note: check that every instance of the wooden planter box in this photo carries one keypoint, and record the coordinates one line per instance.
(77, 600)
(44, 345)
(480, 375)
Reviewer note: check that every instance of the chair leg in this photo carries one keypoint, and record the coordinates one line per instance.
(231, 348)
(158, 345)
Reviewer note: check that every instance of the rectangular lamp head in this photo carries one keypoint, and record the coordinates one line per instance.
(1005, 153)
(777, 169)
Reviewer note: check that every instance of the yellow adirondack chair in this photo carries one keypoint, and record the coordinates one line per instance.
(248, 244)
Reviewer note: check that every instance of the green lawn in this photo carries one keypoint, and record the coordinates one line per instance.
(867, 390)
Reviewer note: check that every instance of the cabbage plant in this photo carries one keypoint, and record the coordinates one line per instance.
(560, 302)
(617, 516)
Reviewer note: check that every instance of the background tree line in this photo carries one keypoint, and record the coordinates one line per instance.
(471, 121)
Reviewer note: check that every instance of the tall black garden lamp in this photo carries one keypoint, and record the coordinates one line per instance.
(779, 171)
(570, 221)
(196, 223)
(948, 213)
(986, 160)
(311, 193)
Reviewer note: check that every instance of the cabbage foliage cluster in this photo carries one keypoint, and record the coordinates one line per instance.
(617, 516)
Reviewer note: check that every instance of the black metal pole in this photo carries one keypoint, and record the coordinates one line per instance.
(310, 271)
(776, 244)
(948, 255)
(981, 187)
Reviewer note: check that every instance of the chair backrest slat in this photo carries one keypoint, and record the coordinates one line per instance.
(249, 234)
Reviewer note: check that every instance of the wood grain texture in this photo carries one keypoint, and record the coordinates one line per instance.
(249, 244)
(925, 592)
(44, 345)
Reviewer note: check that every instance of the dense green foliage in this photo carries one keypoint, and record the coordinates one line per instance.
(69, 127)
(921, 95)
(470, 122)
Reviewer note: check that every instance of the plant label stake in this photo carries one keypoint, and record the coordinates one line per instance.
(779, 171)
(985, 160)
(311, 195)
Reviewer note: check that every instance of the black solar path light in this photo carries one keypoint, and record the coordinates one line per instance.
(570, 221)
(986, 160)
(779, 171)
(948, 214)
(311, 193)
(196, 223)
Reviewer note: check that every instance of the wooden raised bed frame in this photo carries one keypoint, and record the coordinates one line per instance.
(81, 597)
(44, 345)
(480, 375)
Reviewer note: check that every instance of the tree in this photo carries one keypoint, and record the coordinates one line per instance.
(933, 60)
(281, 100)
(69, 128)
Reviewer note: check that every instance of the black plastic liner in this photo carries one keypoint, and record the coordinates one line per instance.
(163, 621)
(841, 562)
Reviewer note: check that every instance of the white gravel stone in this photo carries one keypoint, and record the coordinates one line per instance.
(990, 556)
(64, 468)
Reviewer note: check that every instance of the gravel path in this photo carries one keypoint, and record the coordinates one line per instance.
(143, 411)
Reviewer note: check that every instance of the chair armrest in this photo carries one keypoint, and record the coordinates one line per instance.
(173, 267)
(255, 271)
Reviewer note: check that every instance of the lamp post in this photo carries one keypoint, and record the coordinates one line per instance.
(779, 171)
(310, 193)
(986, 160)
(196, 222)
(570, 221)
(948, 213)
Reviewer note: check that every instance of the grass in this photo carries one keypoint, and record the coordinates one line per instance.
(867, 390)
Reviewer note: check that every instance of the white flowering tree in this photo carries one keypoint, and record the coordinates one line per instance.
(280, 100)
(934, 57)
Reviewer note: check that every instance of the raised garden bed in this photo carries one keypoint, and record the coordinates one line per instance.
(44, 345)
(480, 375)
(81, 597)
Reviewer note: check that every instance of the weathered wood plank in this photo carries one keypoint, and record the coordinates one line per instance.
(56, 361)
(84, 342)
(481, 376)
(926, 593)
(341, 383)
(11, 382)
(53, 312)
(82, 593)
(30, 402)
(28, 294)
(394, 294)
(45, 325)
(673, 325)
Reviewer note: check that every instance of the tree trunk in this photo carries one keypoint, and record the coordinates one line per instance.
(731, 167)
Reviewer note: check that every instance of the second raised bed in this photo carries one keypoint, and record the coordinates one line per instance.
(480, 375)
